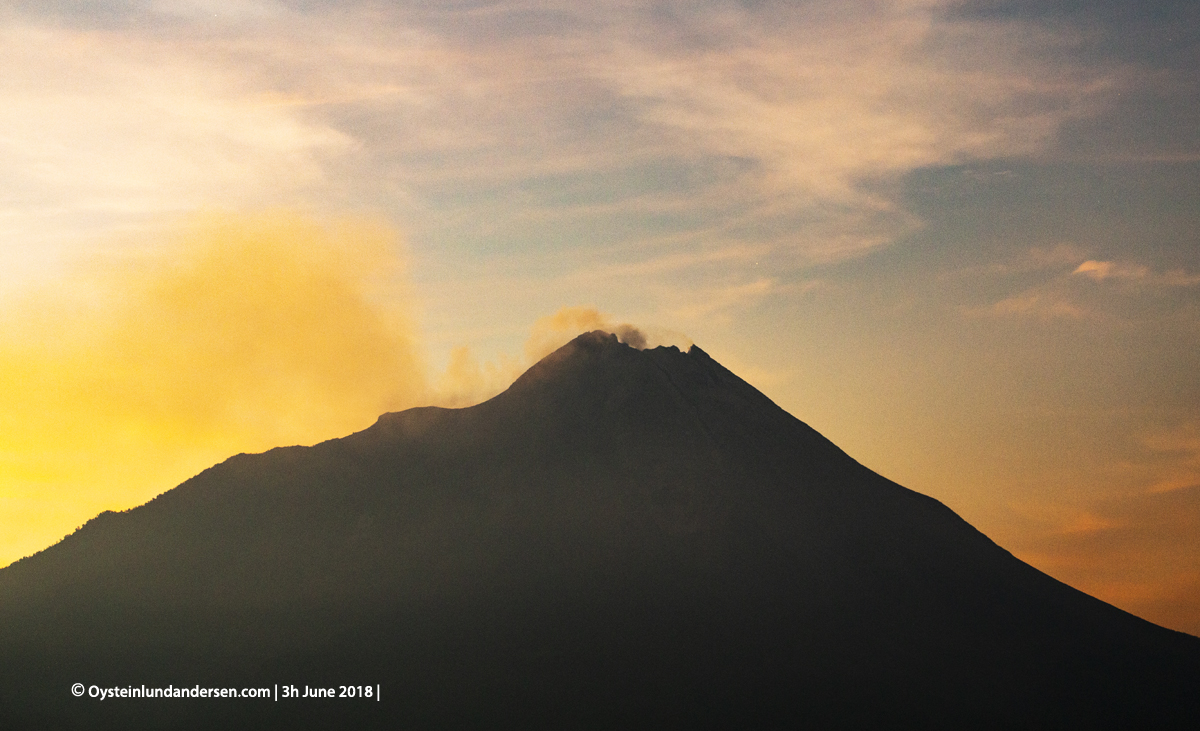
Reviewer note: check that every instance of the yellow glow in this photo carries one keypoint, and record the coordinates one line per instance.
(239, 334)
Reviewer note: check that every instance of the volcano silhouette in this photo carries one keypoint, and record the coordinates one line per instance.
(622, 539)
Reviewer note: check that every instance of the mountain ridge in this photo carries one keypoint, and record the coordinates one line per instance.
(622, 537)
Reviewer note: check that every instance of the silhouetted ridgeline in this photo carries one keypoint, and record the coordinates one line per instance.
(622, 539)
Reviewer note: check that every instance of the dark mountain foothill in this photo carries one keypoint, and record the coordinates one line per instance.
(622, 539)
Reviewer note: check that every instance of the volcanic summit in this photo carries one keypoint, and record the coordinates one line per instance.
(623, 539)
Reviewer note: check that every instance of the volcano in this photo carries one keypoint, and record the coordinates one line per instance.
(623, 539)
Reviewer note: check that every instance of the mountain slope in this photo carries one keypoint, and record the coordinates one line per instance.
(621, 538)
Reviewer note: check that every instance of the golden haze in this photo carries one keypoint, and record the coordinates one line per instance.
(238, 334)
(245, 332)
(242, 333)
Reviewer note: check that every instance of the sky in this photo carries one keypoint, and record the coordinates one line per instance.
(960, 239)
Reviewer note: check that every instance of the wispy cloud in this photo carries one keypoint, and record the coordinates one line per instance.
(103, 131)
(678, 261)
(828, 100)
(1069, 291)
(1036, 305)
(1102, 270)
(1050, 259)
(1099, 270)
(775, 124)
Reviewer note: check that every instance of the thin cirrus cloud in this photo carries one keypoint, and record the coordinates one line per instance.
(829, 103)
(1044, 306)
(781, 125)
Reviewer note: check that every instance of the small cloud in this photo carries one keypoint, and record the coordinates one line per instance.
(1035, 305)
(1094, 269)
(1087, 523)
(1036, 259)
(1073, 293)
(737, 255)
(1101, 270)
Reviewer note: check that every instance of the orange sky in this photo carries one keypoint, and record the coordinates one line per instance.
(957, 238)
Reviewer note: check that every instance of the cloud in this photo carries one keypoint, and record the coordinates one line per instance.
(673, 263)
(1088, 523)
(763, 124)
(1043, 306)
(1053, 259)
(233, 333)
(125, 125)
(1067, 293)
(828, 101)
(467, 381)
(1102, 270)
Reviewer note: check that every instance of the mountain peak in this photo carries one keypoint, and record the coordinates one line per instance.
(599, 358)
(621, 524)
